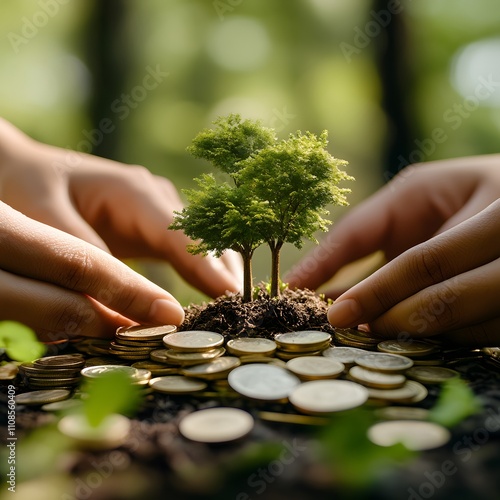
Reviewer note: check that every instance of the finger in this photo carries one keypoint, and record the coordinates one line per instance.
(484, 334)
(458, 250)
(234, 263)
(459, 302)
(53, 312)
(29, 248)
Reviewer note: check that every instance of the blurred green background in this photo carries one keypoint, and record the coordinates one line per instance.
(381, 76)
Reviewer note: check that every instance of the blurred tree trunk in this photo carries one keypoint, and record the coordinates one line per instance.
(108, 59)
(395, 70)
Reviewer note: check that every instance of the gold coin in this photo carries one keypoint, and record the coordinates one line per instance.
(216, 368)
(346, 355)
(138, 343)
(263, 381)
(9, 371)
(315, 367)
(288, 355)
(410, 348)
(431, 374)
(376, 380)
(110, 433)
(402, 413)
(98, 371)
(193, 341)
(160, 356)
(216, 425)
(129, 349)
(413, 434)
(190, 358)
(292, 418)
(383, 362)
(356, 336)
(29, 369)
(156, 369)
(261, 359)
(42, 397)
(176, 384)
(62, 360)
(53, 382)
(303, 340)
(144, 333)
(251, 345)
(410, 392)
(327, 396)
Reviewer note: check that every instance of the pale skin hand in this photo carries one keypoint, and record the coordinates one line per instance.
(64, 287)
(124, 210)
(436, 227)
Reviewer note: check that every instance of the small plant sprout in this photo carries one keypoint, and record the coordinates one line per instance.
(278, 193)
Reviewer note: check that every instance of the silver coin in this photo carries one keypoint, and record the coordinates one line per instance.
(193, 341)
(384, 362)
(346, 355)
(328, 396)
(263, 381)
(216, 425)
(315, 367)
(413, 434)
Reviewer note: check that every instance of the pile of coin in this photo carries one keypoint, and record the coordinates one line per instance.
(302, 343)
(61, 372)
(135, 343)
(355, 338)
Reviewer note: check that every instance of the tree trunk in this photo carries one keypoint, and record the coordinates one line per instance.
(275, 267)
(247, 276)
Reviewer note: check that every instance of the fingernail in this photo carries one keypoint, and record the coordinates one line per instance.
(345, 313)
(166, 312)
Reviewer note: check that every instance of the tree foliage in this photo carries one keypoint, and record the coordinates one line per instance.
(278, 195)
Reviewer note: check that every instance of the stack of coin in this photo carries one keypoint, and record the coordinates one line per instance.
(93, 346)
(355, 338)
(422, 353)
(62, 371)
(302, 343)
(137, 376)
(135, 343)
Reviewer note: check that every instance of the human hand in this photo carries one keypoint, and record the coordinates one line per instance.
(448, 284)
(402, 295)
(122, 209)
(421, 201)
(64, 287)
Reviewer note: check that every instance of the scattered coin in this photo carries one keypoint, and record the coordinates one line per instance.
(110, 433)
(160, 356)
(144, 333)
(216, 425)
(156, 369)
(306, 340)
(346, 355)
(377, 380)
(384, 362)
(9, 371)
(214, 369)
(64, 405)
(263, 381)
(402, 413)
(410, 392)
(410, 348)
(413, 434)
(251, 345)
(431, 374)
(42, 397)
(315, 367)
(177, 384)
(193, 341)
(327, 396)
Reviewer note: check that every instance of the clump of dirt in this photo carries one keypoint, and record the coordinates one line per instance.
(263, 317)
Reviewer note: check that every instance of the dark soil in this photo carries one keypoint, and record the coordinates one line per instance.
(293, 310)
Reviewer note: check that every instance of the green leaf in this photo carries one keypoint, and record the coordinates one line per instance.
(456, 402)
(110, 393)
(20, 341)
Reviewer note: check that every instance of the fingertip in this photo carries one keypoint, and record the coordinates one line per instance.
(345, 313)
(166, 312)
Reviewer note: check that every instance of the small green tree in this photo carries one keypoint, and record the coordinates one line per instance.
(231, 141)
(297, 178)
(222, 217)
